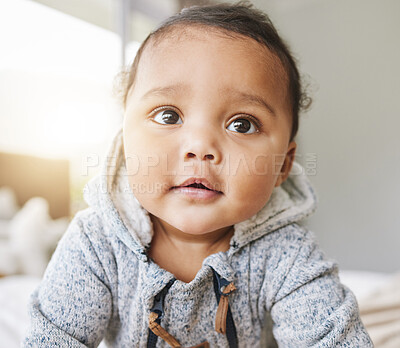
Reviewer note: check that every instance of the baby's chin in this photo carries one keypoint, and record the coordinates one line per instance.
(199, 230)
(196, 226)
(194, 222)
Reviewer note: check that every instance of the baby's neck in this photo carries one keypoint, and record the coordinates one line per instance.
(181, 253)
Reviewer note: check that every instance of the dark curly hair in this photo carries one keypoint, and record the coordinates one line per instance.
(239, 18)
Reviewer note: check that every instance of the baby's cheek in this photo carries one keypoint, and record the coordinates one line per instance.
(132, 164)
(261, 165)
(252, 194)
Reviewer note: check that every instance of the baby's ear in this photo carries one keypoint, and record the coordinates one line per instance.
(287, 164)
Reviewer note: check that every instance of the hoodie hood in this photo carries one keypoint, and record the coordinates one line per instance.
(110, 195)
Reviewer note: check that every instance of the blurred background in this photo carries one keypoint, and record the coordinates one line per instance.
(58, 60)
(58, 114)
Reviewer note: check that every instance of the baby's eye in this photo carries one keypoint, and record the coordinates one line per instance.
(242, 125)
(167, 117)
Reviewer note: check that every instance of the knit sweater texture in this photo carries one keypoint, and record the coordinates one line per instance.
(100, 284)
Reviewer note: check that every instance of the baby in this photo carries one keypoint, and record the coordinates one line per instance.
(191, 236)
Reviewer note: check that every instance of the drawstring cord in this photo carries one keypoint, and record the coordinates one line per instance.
(156, 314)
(224, 321)
(158, 330)
(222, 311)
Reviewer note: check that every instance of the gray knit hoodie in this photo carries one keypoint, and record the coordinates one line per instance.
(100, 284)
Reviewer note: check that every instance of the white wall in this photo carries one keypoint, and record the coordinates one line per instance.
(351, 49)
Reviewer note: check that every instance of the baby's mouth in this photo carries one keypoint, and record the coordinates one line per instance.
(196, 185)
(199, 186)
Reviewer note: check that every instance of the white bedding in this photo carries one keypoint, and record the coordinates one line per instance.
(363, 283)
(14, 296)
(15, 291)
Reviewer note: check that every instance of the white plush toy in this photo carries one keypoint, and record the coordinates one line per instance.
(28, 238)
(8, 203)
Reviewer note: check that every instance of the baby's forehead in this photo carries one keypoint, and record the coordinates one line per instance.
(193, 34)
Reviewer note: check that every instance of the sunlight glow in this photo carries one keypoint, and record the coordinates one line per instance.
(56, 80)
(37, 38)
(75, 124)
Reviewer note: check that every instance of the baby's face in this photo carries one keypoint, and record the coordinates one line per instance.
(206, 130)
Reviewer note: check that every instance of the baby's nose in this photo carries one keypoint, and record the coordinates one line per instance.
(203, 145)
(208, 156)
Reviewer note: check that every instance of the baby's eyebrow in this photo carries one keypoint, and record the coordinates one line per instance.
(241, 96)
(166, 90)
